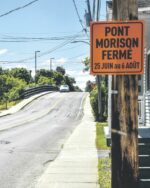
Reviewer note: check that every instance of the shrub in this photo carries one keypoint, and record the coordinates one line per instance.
(94, 102)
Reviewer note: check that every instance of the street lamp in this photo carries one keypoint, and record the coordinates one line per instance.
(36, 60)
(50, 63)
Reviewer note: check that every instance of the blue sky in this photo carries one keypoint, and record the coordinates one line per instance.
(45, 19)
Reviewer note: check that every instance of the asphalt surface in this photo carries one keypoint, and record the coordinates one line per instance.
(34, 136)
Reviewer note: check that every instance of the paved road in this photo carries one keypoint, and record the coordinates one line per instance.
(34, 136)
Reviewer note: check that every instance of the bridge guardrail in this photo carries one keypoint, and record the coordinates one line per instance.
(32, 91)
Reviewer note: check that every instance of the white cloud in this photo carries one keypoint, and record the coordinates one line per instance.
(85, 78)
(45, 63)
(10, 66)
(61, 61)
(82, 73)
(55, 63)
(71, 72)
(3, 51)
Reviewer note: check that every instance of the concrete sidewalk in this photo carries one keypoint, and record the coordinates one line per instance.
(22, 104)
(76, 165)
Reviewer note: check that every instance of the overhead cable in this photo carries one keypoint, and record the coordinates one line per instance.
(36, 39)
(84, 29)
(44, 53)
(18, 8)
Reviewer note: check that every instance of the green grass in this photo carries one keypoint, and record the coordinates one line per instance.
(104, 172)
(104, 164)
(100, 137)
(9, 104)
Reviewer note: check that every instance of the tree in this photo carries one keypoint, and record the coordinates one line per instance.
(3, 87)
(1, 71)
(61, 70)
(94, 101)
(86, 63)
(21, 73)
(94, 93)
(70, 81)
(58, 78)
(44, 73)
(89, 86)
(10, 87)
(45, 80)
(76, 88)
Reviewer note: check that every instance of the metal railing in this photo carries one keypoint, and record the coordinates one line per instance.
(39, 89)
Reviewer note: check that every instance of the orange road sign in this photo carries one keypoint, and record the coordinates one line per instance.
(117, 47)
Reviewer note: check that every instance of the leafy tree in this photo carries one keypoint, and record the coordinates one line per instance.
(58, 78)
(1, 71)
(11, 88)
(61, 70)
(94, 94)
(44, 73)
(4, 71)
(13, 82)
(89, 86)
(86, 63)
(45, 80)
(94, 102)
(22, 74)
(76, 88)
(70, 81)
(3, 86)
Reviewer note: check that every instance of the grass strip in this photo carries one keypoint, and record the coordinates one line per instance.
(104, 164)
(104, 172)
(9, 104)
(100, 137)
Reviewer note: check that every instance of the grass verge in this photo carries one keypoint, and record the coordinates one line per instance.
(104, 172)
(9, 104)
(104, 164)
(100, 138)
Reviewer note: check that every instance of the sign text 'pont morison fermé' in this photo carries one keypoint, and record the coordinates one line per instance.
(117, 47)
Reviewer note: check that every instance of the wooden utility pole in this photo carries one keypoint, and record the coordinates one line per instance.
(98, 77)
(89, 9)
(95, 17)
(125, 172)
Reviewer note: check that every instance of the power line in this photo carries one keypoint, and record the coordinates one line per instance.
(18, 8)
(44, 53)
(37, 39)
(84, 29)
(70, 58)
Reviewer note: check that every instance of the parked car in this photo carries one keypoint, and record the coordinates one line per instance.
(64, 88)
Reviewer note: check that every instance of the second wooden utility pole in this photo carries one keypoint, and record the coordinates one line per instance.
(125, 173)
